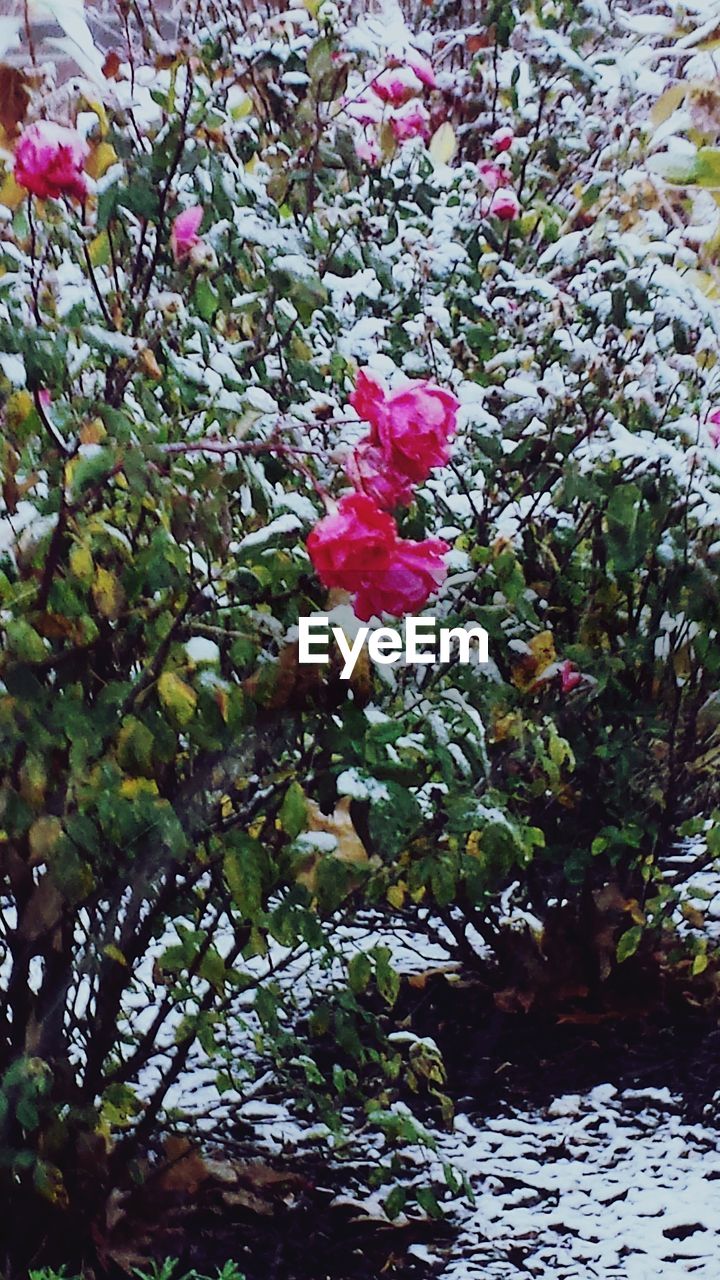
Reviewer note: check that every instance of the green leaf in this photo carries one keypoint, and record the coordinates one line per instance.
(395, 1202)
(359, 972)
(293, 811)
(426, 1199)
(388, 981)
(628, 943)
(177, 697)
(244, 867)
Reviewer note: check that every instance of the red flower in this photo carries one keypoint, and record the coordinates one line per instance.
(397, 86)
(569, 677)
(502, 139)
(413, 425)
(49, 161)
(358, 549)
(369, 470)
(416, 571)
(503, 204)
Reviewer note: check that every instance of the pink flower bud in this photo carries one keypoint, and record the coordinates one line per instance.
(569, 677)
(184, 234)
(492, 175)
(503, 204)
(422, 67)
(502, 139)
(49, 161)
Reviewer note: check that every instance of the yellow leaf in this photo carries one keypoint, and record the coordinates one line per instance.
(11, 193)
(107, 594)
(92, 432)
(540, 655)
(81, 563)
(100, 159)
(114, 953)
(97, 106)
(396, 895)
(149, 364)
(700, 964)
(99, 249)
(178, 698)
(443, 145)
(668, 102)
(132, 787)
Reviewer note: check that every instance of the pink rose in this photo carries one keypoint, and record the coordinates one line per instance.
(368, 468)
(422, 68)
(364, 110)
(354, 543)
(367, 148)
(492, 175)
(413, 425)
(569, 677)
(502, 139)
(415, 572)
(184, 234)
(503, 204)
(358, 549)
(714, 430)
(49, 161)
(397, 86)
(368, 398)
(412, 122)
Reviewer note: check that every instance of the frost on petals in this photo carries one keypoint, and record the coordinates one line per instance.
(184, 234)
(357, 549)
(397, 85)
(411, 122)
(503, 204)
(502, 139)
(49, 161)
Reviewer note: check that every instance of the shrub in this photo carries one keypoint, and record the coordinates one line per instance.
(183, 328)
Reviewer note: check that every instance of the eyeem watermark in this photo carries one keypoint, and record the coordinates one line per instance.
(421, 641)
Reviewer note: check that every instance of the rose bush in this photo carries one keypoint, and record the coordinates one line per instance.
(195, 338)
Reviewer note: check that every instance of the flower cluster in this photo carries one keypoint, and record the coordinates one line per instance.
(501, 201)
(393, 98)
(357, 548)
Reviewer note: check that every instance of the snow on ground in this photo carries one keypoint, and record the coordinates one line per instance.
(608, 1185)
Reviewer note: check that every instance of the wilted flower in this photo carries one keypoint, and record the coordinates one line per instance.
(49, 161)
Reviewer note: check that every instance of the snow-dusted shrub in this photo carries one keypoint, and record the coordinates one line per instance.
(190, 287)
